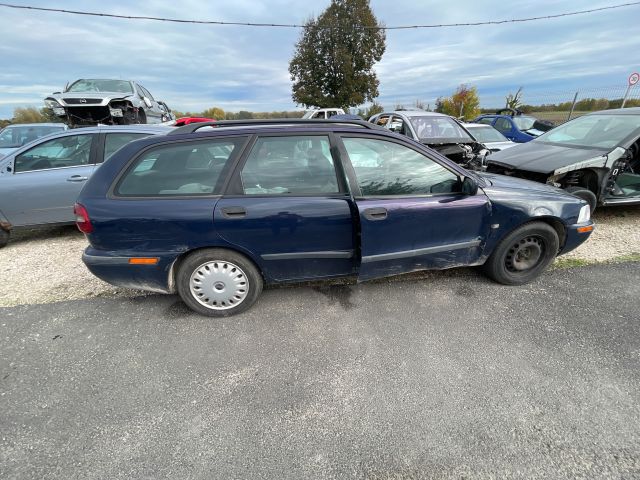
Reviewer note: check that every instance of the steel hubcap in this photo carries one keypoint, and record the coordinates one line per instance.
(219, 285)
(525, 254)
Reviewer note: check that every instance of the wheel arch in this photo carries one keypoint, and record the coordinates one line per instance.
(557, 224)
(175, 265)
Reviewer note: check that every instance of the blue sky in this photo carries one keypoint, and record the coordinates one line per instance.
(193, 67)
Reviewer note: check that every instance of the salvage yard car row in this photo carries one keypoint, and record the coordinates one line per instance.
(215, 210)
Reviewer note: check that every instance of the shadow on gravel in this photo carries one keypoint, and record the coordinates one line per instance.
(43, 233)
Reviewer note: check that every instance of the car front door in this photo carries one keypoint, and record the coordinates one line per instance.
(46, 179)
(505, 127)
(153, 110)
(288, 208)
(413, 214)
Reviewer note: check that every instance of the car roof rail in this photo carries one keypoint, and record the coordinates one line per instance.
(192, 127)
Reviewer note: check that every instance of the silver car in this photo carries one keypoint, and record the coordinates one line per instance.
(91, 101)
(15, 136)
(489, 136)
(39, 182)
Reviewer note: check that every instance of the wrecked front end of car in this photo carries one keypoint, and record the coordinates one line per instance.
(470, 155)
(92, 110)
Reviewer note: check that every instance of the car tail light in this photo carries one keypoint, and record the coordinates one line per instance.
(82, 218)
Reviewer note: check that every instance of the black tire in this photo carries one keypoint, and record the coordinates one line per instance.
(212, 271)
(142, 117)
(584, 194)
(523, 254)
(4, 237)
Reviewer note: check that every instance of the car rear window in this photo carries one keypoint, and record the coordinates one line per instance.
(186, 169)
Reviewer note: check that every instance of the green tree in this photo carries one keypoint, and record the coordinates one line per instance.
(28, 115)
(370, 111)
(463, 103)
(214, 112)
(334, 58)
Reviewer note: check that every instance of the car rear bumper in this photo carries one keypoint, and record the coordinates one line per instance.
(153, 272)
(577, 235)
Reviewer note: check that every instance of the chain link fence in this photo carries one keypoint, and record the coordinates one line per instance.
(558, 107)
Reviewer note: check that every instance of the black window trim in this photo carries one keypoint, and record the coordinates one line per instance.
(233, 188)
(112, 195)
(357, 192)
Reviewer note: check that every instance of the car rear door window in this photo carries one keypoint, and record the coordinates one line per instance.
(114, 141)
(387, 168)
(289, 165)
(67, 151)
(185, 169)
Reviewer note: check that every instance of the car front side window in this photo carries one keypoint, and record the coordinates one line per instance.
(67, 151)
(503, 125)
(386, 168)
(289, 165)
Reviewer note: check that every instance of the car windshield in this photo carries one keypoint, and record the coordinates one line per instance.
(596, 131)
(13, 137)
(88, 85)
(487, 134)
(438, 128)
(524, 123)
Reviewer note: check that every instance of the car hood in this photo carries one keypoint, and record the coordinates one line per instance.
(104, 97)
(6, 151)
(544, 157)
(499, 145)
(507, 182)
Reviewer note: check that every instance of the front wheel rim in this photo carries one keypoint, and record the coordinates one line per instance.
(219, 285)
(525, 254)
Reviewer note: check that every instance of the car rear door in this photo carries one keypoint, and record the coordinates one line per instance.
(47, 178)
(413, 214)
(288, 208)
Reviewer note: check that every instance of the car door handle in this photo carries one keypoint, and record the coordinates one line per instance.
(234, 212)
(77, 178)
(374, 214)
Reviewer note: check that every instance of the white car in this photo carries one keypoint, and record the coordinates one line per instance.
(489, 136)
(323, 113)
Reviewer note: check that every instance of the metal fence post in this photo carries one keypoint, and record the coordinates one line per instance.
(573, 105)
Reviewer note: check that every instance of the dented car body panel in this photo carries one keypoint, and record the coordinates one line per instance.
(294, 237)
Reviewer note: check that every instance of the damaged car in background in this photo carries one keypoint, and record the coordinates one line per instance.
(107, 101)
(437, 131)
(595, 157)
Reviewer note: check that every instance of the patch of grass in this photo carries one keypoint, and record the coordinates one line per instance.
(572, 262)
(583, 262)
(631, 257)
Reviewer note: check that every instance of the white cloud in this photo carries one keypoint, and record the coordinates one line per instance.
(196, 66)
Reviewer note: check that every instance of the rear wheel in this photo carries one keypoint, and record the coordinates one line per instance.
(523, 254)
(218, 283)
(584, 194)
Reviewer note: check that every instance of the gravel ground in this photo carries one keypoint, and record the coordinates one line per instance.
(44, 266)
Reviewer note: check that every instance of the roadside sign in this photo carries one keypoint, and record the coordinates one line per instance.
(633, 79)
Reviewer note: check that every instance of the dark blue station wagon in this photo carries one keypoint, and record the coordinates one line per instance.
(215, 211)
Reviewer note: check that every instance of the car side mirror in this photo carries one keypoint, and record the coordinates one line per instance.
(147, 102)
(469, 186)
